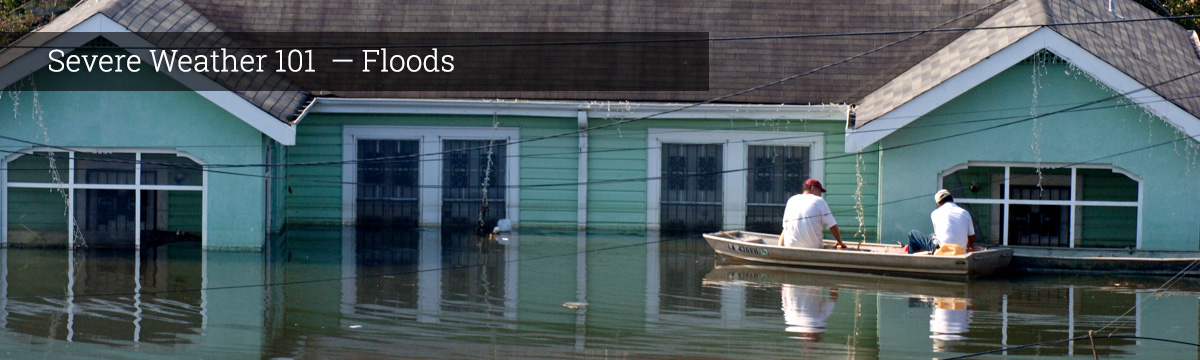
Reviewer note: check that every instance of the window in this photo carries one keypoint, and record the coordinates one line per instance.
(428, 176)
(776, 173)
(691, 188)
(702, 180)
(387, 183)
(473, 170)
(1077, 206)
(101, 197)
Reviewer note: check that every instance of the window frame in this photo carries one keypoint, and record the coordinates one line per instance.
(733, 156)
(70, 185)
(1073, 204)
(429, 178)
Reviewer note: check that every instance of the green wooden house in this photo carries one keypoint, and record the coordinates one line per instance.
(884, 118)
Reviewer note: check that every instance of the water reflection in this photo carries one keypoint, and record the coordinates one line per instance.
(950, 320)
(805, 310)
(353, 293)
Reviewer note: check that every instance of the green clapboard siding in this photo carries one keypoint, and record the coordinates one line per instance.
(548, 168)
(617, 170)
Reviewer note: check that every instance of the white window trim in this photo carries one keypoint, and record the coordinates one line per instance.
(733, 157)
(1072, 203)
(71, 186)
(430, 181)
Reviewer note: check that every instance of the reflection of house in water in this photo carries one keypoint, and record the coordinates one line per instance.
(110, 296)
(391, 277)
(454, 274)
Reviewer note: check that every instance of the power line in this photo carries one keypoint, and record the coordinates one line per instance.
(752, 89)
(1077, 108)
(937, 29)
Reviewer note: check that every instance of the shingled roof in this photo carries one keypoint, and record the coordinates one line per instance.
(167, 16)
(1150, 52)
(877, 83)
(735, 65)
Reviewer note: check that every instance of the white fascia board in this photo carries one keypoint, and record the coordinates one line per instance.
(877, 129)
(594, 110)
(1044, 38)
(441, 107)
(619, 111)
(233, 103)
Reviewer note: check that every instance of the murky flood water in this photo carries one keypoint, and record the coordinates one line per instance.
(421, 294)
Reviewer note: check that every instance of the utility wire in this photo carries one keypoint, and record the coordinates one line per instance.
(1023, 118)
(1079, 107)
(780, 124)
(719, 98)
(937, 29)
(533, 258)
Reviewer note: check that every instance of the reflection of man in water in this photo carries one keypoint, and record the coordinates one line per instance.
(805, 310)
(950, 319)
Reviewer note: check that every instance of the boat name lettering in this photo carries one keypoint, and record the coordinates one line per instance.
(747, 249)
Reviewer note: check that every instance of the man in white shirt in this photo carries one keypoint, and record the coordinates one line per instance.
(951, 225)
(806, 217)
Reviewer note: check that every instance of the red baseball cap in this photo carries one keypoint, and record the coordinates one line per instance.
(815, 183)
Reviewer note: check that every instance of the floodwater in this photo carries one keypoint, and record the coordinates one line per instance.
(349, 294)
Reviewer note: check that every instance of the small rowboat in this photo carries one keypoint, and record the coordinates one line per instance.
(759, 248)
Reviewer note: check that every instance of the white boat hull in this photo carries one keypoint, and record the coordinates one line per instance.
(751, 247)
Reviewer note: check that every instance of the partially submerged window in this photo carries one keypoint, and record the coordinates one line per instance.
(691, 188)
(1060, 207)
(775, 174)
(473, 170)
(387, 191)
(101, 198)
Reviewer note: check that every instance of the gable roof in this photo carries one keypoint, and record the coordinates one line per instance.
(157, 16)
(1126, 56)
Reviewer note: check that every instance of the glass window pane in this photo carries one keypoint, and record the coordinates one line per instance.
(37, 217)
(1047, 177)
(776, 173)
(105, 217)
(1039, 225)
(36, 168)
(1105, 185)
(976, 182)
(171, 216)
(388, 177)
(1106, 226)
(465, 167)
(104, 168)
(989, 223)
(1050, 184)
(170, 169)
(691, 188)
